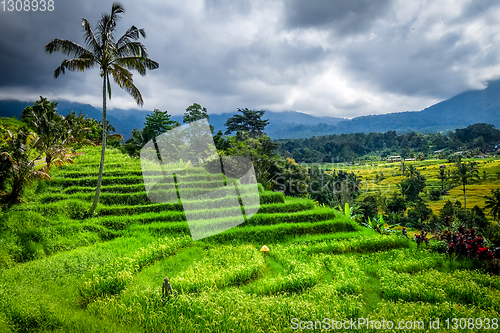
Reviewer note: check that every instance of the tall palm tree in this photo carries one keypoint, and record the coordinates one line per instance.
(465, 173)
(412, 171)
(493, 203)
(442, 176)
(403, 168)
(112, 57)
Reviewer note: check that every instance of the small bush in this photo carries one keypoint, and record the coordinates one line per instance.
(434, 195)
(439, 247)
(32, 251)
(75, 209)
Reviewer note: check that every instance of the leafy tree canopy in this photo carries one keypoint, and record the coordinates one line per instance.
(39, 109)
(250, 122)
(158, 122)
(196, 112)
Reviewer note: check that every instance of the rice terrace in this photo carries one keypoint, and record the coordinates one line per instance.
(104, 273)
(251, 221)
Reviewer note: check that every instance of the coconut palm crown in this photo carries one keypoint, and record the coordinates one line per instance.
(113, 58)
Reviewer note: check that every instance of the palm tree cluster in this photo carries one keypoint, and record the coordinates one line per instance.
(44, 141)
(21, 159)
(54, 133)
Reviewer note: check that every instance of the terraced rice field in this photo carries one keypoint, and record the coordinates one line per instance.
(62, 273)
(430, 168)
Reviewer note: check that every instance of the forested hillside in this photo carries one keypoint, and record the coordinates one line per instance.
(467, 108)
(476, 139)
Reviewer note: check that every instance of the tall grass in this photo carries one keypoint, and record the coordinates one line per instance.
(222, 266)
(113, 277)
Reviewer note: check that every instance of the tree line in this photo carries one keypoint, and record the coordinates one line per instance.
(350, 147)
(44, 139)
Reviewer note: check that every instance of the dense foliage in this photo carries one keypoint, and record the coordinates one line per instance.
(349, 147)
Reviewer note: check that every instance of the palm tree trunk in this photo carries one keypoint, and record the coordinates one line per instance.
(103, 143)
(465, 199)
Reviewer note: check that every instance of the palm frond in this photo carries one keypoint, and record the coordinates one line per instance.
(132, 63)
(90, 38)
(150, 64)
(74, 64)
(107, 23)
(131, 34)
(116, 9)
(6, 156)
(38, 174)
(132, 49)
(124, 79)
(67, 47)
(138, 63)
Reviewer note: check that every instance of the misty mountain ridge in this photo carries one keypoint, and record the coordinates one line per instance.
(460, 111)
(125, 121)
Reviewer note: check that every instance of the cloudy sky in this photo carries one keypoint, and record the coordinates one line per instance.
(322, 57)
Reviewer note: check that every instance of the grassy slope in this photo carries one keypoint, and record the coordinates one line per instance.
(11, 122)
(97, 276)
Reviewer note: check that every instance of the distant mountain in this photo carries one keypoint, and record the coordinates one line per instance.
(126, 120)
(467, 108)
(462, 110)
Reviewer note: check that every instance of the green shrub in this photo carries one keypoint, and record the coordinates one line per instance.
(75, 209)
(434, 195)
(32, 250)
(439, 247)
(6, 260)
(18, 220)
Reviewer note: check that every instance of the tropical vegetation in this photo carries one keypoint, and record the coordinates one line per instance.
(372, 238)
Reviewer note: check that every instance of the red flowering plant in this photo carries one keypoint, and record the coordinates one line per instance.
(421, 239)
(465, 243)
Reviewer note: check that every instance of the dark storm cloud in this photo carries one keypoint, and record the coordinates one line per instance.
(206, 71)
(27, 66)
(341, 58)
(415, 66)
(344, 17)
(25, 62)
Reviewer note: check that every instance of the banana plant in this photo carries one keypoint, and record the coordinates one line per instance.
(378, 225)
(352, 213)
